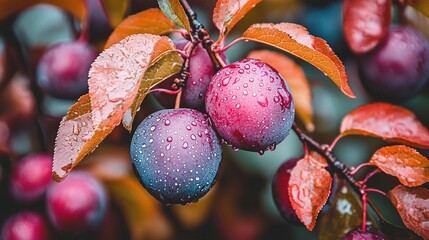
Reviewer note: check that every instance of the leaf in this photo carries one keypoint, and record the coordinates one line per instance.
(295, 77)
(75, 7)
(114, 82)
(365, 23)
(309, 188)
(115, 10)
(141, 211)
(228, 12)
(151, 21)
(174, 11)
(413, 207)
(295, 39)
(405, 163)
(345, 214)
(169, 64)
(417, 20)
(420, 5)
(389, 122)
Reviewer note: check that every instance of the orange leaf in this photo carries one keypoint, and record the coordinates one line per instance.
(114, 82)
(151, 21)
(412, 205)
(309, 188)
(389, 122)
(365, 23)
(295, 77)
(295, 39)
(76, 138)
(420, 5)
(115, 10)
(115, 76)
(405, 163)
(174, 10)
(228, 12)
(77, 8)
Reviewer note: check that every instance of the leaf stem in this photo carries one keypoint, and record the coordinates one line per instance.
(376, 191)
(231, 44)
(355, 170)
(369, 175)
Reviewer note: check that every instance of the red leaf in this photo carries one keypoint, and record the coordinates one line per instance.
(309, 188)
(405, 163)
(295, 77)
(228, 12)
(389, 122)
(77, 8)
(295, 39)
(115, 78)
(365, 23)
(151, 21)
(413, 207)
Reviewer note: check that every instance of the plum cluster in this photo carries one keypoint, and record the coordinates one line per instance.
(176, 153)
(75, 206)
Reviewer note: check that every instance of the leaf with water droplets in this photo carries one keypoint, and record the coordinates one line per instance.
(228, 12)
(296, 40)
(174, 10)
(413, 207)
(76, 138)
(151, 21)
(116, 75)
(115, 10)
(77, 8)
(389, 122)
(309, 188)
(166, 65)
(295, 77)
(365, 23)
(405, 163)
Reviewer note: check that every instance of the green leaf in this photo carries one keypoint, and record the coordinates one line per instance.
(174, 10)
(345, 214)
(167, 65)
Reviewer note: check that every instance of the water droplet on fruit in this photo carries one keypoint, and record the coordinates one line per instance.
(251, 79)
(241, 71)
(152, 128)
(168, 147)
(169, 139)
(261, 152)
(167, 122)
(259, 64)
(245, 92)
(225, 81)
(188, 127)
(262, 101)
(237, 106)
(247, 66)
(193, 123)
(193, 137)
(151, 140)
(235, 149)
(272, 147)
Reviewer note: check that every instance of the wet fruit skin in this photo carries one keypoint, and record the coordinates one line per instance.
(398, 68)
(370, 234)
(25, 226)
(31, 177)
(201, 70)
(77, 204)
(281, 194)
(250, 105)
(176, 155)
(63, 69)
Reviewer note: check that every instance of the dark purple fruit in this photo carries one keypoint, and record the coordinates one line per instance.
(176, 155)
(399, 67)
(370, 234)
(25, 226)
(63, 69)
(280, 190)
(77, 204)
(250, 105)
(31, 177)
(201, 70)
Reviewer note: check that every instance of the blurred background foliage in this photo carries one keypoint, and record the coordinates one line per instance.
(240, 206)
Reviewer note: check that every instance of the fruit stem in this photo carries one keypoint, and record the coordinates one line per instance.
(177, 103)
(369, 175)
(200, 34)
(364, 203)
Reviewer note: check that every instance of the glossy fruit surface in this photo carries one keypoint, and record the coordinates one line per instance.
(25, 226)
(77, 204)
(398, 68)
(250, 105)
(281, 194)
(63, 69)
(31, 177)
(370, 234)
(176, 155)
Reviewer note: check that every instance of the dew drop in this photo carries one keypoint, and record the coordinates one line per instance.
(262, 101)
(193, 137)
(188, 127)
(241, 71)
(193, 123)
(251, 79)
(225, 81)
(185, 145)
(245, 92)
(247, 66)
(152, 128)
(151, 140)
(245, 85)
(237, 106)
(168, 147)
(167, 122)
